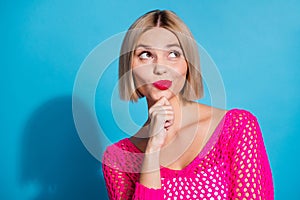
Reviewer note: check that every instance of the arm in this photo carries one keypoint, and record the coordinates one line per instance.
(161, 118)
(149, 185)
(118, 183)
(122, 183)
(251, 176)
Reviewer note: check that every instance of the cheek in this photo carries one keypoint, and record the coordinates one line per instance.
(180, 76)
(182, 69)
(141, 75)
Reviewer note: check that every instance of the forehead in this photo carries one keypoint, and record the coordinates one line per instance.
(157, 37)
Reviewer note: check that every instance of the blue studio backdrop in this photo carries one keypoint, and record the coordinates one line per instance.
(254, 44)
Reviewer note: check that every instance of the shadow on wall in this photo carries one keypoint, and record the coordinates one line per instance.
(53, 158)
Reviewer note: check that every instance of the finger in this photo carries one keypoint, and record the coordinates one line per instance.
(168, 123)
(161, 119)
(160, 110)
(166, 101)
(164, 114)
(158, 107)
(163, 101)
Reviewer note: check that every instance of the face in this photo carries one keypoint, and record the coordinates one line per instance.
(159, 67)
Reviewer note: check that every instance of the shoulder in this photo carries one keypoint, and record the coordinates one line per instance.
(207, 113)
(121, 146)
(235, 121)
(236, 116)
(242, 124)
(240, 117)
(121, 155)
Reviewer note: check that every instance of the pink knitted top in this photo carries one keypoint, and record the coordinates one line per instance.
(232, 165)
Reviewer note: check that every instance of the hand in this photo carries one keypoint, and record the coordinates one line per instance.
(161, 116)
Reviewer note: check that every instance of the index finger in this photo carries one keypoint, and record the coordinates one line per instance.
(163, 101)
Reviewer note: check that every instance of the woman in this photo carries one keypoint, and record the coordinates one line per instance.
(185, 150)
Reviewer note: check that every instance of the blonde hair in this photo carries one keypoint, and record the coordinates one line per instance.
(193, 88)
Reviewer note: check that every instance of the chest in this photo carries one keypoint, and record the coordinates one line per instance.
(211, 183)
(186, 147)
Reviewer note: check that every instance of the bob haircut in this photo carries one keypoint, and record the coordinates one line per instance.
(193, 87)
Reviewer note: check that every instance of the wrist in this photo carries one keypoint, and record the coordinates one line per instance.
(153, 150)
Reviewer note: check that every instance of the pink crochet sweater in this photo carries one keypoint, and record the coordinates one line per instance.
(232, 165)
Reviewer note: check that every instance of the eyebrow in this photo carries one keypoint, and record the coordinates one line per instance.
(149, 47)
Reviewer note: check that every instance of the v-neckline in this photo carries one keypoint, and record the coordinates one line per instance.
(203, 152)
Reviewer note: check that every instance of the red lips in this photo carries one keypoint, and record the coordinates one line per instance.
(162, 84)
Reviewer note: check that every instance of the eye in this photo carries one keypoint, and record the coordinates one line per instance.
(174, 54)
(145, 55)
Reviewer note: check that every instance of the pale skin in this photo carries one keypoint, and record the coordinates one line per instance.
(176, 129)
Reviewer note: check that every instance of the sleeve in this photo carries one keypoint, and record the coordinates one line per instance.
(251, 176)
(122, 185)
(144, 193)
(118, 183)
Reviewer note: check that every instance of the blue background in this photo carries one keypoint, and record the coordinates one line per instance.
(255, 45)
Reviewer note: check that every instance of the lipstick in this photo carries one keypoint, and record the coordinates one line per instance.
(162, 84)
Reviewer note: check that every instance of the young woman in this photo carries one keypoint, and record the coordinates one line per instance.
(185, 150)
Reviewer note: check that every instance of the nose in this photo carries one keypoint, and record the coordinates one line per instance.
(159, 69)
(159, 66)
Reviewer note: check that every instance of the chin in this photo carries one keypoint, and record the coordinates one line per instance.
(157, 95)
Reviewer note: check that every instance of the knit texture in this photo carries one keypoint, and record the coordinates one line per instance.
(232, 165)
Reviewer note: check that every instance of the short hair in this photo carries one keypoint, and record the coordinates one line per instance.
(193, 87)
